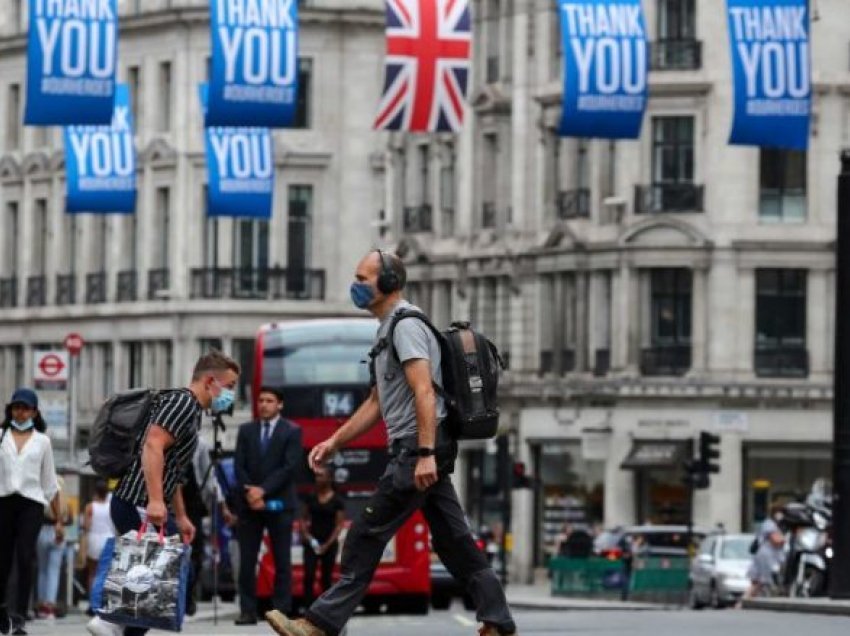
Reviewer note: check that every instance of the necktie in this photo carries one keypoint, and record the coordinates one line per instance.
(267, 434)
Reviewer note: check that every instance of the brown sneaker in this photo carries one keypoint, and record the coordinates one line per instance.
(285, 627)
(490, 630)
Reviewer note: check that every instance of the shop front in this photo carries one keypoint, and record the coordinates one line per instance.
(661, 497)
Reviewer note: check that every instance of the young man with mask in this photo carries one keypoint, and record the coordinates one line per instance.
(151, 484)
(417, 477)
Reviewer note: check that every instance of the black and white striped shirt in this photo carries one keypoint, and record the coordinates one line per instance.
(179, 413)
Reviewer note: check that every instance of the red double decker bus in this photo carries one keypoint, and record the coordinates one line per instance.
(320, 367)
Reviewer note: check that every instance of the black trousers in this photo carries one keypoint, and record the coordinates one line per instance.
(250, 535)
(197, 555)
(326, 562)
(394, 501)
(20, 523)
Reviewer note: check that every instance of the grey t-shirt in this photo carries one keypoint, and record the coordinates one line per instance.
(413, 340)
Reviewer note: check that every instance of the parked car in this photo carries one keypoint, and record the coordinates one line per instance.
(663, 541)
(718, 575)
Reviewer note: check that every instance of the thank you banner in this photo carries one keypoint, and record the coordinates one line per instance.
(71, 54)
(605, 68)
(254, 75)
(240, 169)
(100, 162)
(771, 65)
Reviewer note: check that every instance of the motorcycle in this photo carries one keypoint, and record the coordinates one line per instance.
(809, 546)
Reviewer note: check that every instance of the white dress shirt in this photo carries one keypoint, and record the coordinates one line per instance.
(30, 473)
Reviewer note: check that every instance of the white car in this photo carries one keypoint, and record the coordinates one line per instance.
(718, 574)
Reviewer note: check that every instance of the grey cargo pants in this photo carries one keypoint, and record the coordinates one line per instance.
(394, 501)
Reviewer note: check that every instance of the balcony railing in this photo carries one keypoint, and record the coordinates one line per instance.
(549, 363)
(66, 289)
(668, 197)
(36, 291)
(96, 288)
(676, 55)
(781, 361)
(665, 360)
(158, 280)
(418, 218)
(8, 292)
(126, 286)
(573, 204)
(602, 362)
(258, 284)
(488, 215)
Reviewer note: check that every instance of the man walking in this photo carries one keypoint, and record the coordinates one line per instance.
(422, 455)
(152, 482)
(268, 455)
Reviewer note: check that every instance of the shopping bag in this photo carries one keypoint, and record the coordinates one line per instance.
(141, 580)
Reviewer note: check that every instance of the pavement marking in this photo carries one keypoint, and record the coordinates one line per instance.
(463, 620)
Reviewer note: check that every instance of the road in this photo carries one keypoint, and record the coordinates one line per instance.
(542, 623)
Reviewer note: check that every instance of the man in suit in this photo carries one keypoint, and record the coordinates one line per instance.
(268, 456)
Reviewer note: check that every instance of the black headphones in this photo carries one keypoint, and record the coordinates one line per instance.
(388, 281)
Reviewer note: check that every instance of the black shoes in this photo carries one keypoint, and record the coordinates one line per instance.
(246, 619)
(5, 621)
(191, 607)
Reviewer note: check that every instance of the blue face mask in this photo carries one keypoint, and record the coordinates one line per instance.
(23, 426)
(362, 294)
(223, 401)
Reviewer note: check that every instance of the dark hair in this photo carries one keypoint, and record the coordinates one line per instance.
(273, 390)
(214, 361)
(101, 488)
(38, 422)
(396, 265)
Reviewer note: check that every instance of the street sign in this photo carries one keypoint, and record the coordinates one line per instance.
(51, 376)
(74, 343)
(50, 368)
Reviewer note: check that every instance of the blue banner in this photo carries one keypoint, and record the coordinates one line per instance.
(100, 162)
(71, 54)
(254, 75)
(240, 169)
(771, 63)
(605, 68)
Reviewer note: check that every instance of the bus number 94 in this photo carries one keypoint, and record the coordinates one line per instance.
(338, 403)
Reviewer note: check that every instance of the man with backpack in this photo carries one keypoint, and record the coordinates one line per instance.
(408, 393)
(162, 453)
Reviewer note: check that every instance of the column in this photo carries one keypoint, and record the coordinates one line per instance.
(699, 322)
(817, 323)
(582, 291)
(746, 322)
(520, 129)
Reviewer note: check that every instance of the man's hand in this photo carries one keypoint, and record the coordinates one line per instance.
(257, 505)
(156, 512)
(254, 493)
(321, 453)
(59, 529)
(229, 517)
(426, 473)
(187, 529)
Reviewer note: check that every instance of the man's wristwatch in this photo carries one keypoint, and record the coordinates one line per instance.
(425, 452)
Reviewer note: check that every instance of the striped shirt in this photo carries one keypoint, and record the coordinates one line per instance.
(179, 413)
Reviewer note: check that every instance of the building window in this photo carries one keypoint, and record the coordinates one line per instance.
(129, 253)
(669, 351)
(298, 237)
(305, 85)
(134, 81)
(782, 186)
(10, 242)
(424, 174)
(558, 315)
(205, 345)
(677, 47)
(251, 258)
(163, 227)
(135, 365)
(102, 242)
(672, 188)
(243, 353)
(13, 117)
(40, 237)
(165, 88)
(781, 323)
(490, 165)
(447, 193)
(492, 59)
(108, 387)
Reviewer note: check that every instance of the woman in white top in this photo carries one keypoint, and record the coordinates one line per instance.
(27, 484)
(98, 527)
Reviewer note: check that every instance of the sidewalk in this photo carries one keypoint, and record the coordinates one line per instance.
(539, 597)
(800, 605)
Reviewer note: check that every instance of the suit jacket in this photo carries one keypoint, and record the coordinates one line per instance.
(276, 469)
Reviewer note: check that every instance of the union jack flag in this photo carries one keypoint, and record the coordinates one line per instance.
(427, 65)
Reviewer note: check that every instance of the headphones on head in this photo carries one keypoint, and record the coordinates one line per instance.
(388, 281)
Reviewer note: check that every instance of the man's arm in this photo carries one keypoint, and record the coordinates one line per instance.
(184, 524)
(418, 374)
(157, 441)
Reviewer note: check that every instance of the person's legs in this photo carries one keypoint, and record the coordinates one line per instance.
(280, 533)
(250, 534)
(126, 518)
(46, 537)
(386, 511)
(54, 568)
(28, 521)
(453, 542)
(310, 561)
(197, 565)
(327, 560)
(7, 524)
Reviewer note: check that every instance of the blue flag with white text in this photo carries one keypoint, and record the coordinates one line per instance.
(71, 53)
(240, 169)
(254, 75)
(100, 162)
(771, 64)
(605, 68)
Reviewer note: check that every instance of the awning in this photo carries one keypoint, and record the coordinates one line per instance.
(654, 454)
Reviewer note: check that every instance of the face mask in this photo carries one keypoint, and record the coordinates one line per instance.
(223, 401)
(22, 426)
(362, 294)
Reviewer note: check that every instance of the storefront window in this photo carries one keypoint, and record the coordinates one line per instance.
(571, 492)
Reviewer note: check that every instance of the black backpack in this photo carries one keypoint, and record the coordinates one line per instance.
(470, 366)
(117, 428)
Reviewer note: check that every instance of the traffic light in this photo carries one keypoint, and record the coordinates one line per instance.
(520, 479)
(708, 451)
(695, 476)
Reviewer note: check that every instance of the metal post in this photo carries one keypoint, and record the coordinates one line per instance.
(72, 415)
(839, 574)
(505, 468)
